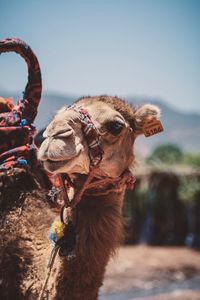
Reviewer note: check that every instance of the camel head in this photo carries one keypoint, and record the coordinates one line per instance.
(65, 149)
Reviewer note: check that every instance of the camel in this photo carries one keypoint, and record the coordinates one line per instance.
(89, 146)
(97, 214)
(99, 209)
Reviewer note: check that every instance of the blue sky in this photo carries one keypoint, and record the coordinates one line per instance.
(126, 47)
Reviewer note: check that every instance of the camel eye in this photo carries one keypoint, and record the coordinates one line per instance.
(114, 127)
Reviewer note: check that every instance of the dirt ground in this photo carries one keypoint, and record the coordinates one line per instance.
(153, 273)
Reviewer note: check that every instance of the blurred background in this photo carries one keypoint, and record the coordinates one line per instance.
(144, 51)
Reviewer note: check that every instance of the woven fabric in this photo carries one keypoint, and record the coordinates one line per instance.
(16, 130)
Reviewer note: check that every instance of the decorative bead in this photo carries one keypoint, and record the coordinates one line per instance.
(22, 162)
(23, 122)
(57, 231)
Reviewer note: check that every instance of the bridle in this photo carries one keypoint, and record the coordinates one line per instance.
(97, 179)
(96, 183)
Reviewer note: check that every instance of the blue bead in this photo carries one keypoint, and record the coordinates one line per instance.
(23, 122)
(52, 237)
(22, 162)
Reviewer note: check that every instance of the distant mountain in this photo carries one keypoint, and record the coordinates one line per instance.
(180, 127)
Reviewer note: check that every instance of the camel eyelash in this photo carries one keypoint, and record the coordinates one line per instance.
(114, 127)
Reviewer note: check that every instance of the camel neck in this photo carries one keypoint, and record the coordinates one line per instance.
(98, 224)
(99, 232)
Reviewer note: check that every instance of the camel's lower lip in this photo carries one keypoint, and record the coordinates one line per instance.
(53, 166)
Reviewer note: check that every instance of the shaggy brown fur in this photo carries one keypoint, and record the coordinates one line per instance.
(82, 278)
(125, 109)
(24, 224)
(25, 249)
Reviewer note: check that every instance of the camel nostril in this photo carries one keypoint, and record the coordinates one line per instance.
(65, 133)
(61, 131)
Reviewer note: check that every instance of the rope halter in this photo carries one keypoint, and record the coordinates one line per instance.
(97, 179)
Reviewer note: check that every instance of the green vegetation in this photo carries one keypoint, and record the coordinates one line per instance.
(188, 189)
(166, 153)
(172, 154)
(192, 159)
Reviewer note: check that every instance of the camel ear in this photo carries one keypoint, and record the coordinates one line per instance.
(144, 116)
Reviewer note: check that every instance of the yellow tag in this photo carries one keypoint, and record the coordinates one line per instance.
(152, 127)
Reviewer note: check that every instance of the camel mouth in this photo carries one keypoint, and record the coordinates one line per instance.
(52, 166)
(61, 166)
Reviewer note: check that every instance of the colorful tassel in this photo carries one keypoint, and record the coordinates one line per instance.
(57, 231)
